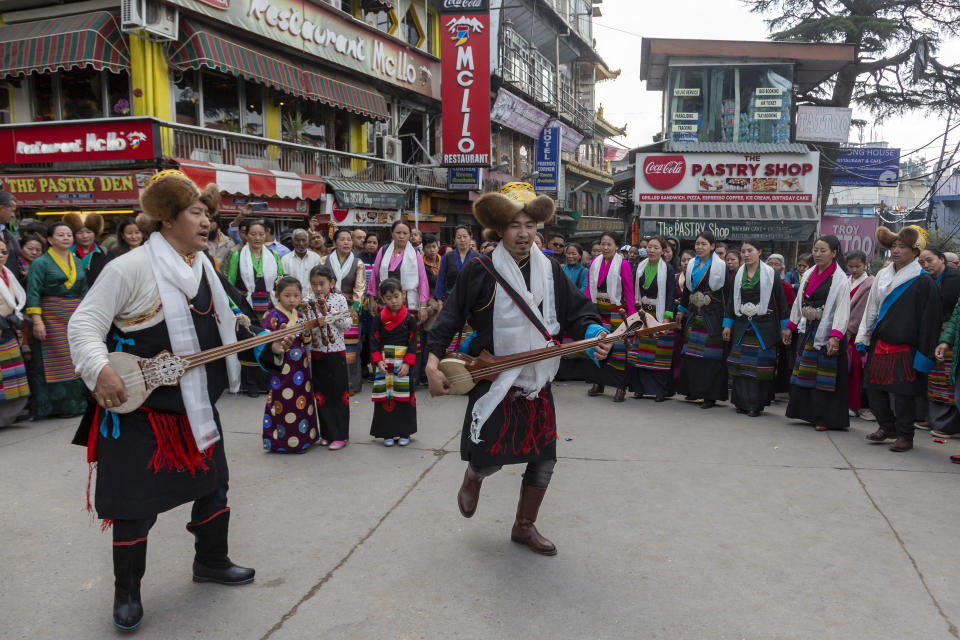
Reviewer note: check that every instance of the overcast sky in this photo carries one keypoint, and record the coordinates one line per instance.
(626, 100)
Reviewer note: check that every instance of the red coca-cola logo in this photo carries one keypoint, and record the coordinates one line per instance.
(664, 172)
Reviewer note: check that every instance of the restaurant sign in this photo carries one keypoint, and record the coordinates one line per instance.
(725, 177)
(465, 55)
(330, 35)
(736, 230)
(75, 190)
(92, 141)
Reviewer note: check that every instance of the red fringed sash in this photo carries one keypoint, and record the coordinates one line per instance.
(540, 428)
(887, 360)
(176, 446)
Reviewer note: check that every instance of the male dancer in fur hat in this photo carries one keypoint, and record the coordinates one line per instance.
(511, 420)
(164, 295)
(900, 327)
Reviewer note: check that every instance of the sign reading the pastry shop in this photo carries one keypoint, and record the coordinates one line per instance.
(118, 139)
(715, 177)
(465, 56)
(322, 31)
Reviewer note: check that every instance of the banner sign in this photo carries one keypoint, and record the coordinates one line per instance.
(571, 137)
(465, 179)
(547, 160)
(465, 72)
(823, 124)
(727, 177)
(516, 114)
(855, 234)
(364, 217)
(112, 140)
(767, 230)
(319, 30)
(76, 190)
(275, 206)
(867, 167)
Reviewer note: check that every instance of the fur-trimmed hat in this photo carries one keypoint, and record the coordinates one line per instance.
(912, 236)
(210, 196)
(167, 193)
(91, 221)
(497, 210)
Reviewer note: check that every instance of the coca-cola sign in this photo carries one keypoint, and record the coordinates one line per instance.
(664, 172)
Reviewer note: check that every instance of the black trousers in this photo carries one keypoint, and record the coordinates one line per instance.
(895, 412)
(537, 474)
(126, 531)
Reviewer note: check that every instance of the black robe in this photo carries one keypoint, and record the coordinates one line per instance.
(127, 487)
(704, 371)
(472, 299)
(913, 320)
(949, 286)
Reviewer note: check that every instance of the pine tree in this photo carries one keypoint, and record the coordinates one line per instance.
(896, 70)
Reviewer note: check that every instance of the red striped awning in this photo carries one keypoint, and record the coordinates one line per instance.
(343, 95)
(232, 178)
(87, 40)
(202, 47)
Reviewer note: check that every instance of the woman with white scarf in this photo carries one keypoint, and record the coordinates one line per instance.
(755, 322)
(400, 260)
(703, 375)
(14, 390)
(652, 356)
(818, 391)
(610, 286)
(253, 270)
(351, 283)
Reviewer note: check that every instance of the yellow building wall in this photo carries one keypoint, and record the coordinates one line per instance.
(150, 78)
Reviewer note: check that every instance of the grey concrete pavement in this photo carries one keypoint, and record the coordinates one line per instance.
(671, 522)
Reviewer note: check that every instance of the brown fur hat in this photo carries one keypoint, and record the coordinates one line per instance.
(912, 236)
(168, 193)
(146, 224)
(497, 210)
(210, 196)
(91, 221)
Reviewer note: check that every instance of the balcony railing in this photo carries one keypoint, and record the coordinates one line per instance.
(222, 147)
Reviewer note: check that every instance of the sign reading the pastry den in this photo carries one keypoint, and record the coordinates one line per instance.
(120, 139)
(465, 55)
(75, 189)
(331, 35)
(715, 177)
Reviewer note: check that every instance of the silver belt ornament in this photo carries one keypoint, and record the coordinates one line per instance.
(812, 313)
(750, 309)
(699, 299)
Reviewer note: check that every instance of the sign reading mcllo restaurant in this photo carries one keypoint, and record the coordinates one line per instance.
(321, 32)
(465, 55)
(112, 140)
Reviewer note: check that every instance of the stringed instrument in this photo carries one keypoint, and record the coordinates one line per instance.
(142, 376)
(464, 371)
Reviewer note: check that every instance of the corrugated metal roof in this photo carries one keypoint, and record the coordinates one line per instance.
(736, 147)
(367, 187)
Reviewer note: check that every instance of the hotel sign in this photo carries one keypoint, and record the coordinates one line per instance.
(330, 35)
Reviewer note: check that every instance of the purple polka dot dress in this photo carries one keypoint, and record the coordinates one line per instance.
(290, 417)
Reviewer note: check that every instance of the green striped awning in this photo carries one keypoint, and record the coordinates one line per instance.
(345, 96)
(200, 47)
(88, 40)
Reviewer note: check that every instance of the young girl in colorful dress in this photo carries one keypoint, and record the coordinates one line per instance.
(393, 350)
(288, 420)
(329, 362)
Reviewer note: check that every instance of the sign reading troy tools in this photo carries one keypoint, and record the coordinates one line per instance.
(465, 64)
(715, 177)
(119, 139)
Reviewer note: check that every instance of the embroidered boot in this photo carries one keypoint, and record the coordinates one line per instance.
(211, 564)
(524, 531)
(469, 494)
(129, 564)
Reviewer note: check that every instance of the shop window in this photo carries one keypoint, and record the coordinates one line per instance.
(410, 29)
(750, 103)
(432, 45)
(253, 109)
(118, 95)
(45, 98)
(81, 94)
(186, 97)
(314, 123)
(221, 102)
(379, 20)
(6, 113)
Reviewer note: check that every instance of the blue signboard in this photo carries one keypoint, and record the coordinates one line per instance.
(867, 167)
(547, 160)
(464, 179)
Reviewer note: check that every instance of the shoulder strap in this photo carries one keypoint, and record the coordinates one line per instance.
(487, 265)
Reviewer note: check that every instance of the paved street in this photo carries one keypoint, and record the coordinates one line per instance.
(671, 523)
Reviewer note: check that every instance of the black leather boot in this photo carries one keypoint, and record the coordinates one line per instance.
(129, 564)
(211, 564)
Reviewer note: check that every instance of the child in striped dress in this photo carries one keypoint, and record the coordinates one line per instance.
(393, 350)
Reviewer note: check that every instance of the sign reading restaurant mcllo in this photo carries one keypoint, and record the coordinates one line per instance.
(321, 32)
(465, 51)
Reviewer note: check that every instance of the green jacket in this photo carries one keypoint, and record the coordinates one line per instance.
(233, 268)
(951, 335)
